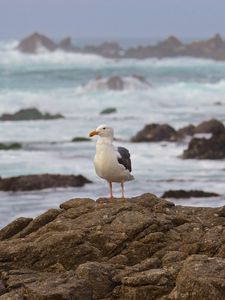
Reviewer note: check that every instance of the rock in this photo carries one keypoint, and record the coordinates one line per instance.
(202, 148)
(137, 248)
(80, 139)
(109, 110)
(188, 194)
(118, 83)
(10, 146)
(33, 43)
(29, 114)
(66, 45)
(42, 181)
(212, 126)
(155, 133)
(110, 50)
(188, 130)
(201, 278)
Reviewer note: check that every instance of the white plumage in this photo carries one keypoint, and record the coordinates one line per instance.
(111, 163)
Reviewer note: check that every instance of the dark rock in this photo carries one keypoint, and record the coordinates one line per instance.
(212, 126)
(202, 148)
(80, 139)
(111, 50)
(66, 45)
(188, 130)
(187, 194)
(115, 83)
(42, 181)
(155, 133)
(109, 110)
(34, 42)
(11, 146)
(29, 114)
(137, 248)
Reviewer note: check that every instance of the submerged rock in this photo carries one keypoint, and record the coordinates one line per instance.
(155, 133)
(10, 146)
(80, 139)
(188, 194)
(118, 83)
(42, 181)
(109, 110)
(29, 114)
(202, 148)
(138, 248)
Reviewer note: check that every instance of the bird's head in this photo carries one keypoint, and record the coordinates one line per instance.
(102, 131)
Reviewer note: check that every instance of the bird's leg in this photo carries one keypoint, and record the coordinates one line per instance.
(122, 186)
(110, 190)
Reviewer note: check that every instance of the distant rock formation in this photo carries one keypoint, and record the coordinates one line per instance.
(213, 48)
(141, 248)
(10, 146)
(29, 114)
(118, 83)
(202, 148)
(41, 181)
(179, 194)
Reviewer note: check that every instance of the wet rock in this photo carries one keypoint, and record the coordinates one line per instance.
(155, 133)
(137, 248)
(212, 126)
(29, 114)
(177, 194)
(42, 181)
(202, 148)
(67, 45)
(109, 110)
(107, 49)
(80, 139)
(34, 42)
(188, 130)
(10, 146)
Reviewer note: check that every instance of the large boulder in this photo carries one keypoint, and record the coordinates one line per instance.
(29, 114)
(212, 126)
(138, 248)
(155, 133)
(202, 148)
(42, 181)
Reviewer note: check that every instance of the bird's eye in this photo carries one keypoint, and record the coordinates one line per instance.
(104, 128)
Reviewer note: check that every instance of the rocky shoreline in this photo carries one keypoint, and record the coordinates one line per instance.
(213, 48)
(138, 248)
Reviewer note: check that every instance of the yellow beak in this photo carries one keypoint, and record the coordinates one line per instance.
(92, 133)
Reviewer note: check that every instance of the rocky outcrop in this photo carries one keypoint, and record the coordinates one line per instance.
(213, 48)
(155, 133)
(42, 181)
(36, 42)
(118, 83)
(109, 110)
(211, 126)
(138, 248)
(29, 114)
(202, 148)
(178, 194)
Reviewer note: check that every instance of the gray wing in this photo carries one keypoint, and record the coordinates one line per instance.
(124, 158)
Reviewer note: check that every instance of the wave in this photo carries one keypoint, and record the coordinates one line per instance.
(9, 57)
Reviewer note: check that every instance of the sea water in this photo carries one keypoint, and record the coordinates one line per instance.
(181, 91)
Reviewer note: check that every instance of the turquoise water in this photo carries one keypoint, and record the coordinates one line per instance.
(182, 91)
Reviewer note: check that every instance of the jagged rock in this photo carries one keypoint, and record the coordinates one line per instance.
(66, 45)
(42, 181)
(111, 50)
(29, 114)
(188, 130)
(34, 42)
(155, 133)
(187, 194)
(137, 248)
(202, 148)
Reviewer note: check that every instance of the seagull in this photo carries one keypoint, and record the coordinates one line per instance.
(111, 163)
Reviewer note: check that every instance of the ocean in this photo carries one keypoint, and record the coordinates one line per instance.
(181, 91)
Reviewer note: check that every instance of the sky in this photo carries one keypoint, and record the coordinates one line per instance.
(112, 18)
